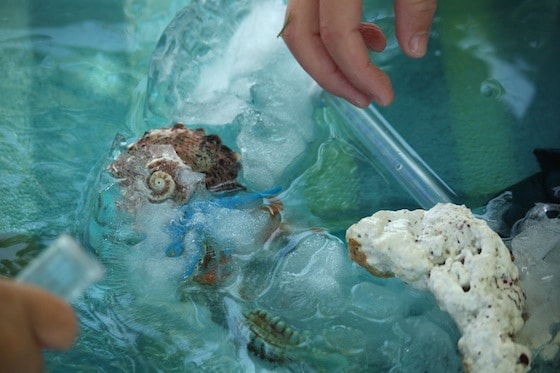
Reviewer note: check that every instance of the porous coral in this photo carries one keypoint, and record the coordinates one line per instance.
(464, 264)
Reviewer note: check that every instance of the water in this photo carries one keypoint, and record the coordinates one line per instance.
(490, 70)
(65, 97)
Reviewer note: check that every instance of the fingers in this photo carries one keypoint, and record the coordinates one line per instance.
(373, 36)
(324, 36)
(302, 37)
(19, 353)
(329, 41)
(52, 320)
(18, 347)
(31, 319)
(413, 19)
(340, 33)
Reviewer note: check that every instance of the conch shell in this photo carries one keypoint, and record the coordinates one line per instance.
(202, 153)
(172, 163)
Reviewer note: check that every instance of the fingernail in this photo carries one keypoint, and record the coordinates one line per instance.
(377, 100)
(417, 44)
(358, 101)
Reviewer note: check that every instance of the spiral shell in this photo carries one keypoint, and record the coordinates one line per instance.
(162, 186)
(173, 163)
(201, 152)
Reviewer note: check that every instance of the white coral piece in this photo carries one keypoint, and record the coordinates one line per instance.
(467, 267)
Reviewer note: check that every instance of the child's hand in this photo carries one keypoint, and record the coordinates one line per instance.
(329, 41)
(30, 320)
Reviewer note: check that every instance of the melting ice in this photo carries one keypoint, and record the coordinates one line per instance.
(260, 292)
(535, 244)
(230, 279)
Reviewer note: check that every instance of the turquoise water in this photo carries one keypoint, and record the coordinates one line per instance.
(76, 74)
(491, 72)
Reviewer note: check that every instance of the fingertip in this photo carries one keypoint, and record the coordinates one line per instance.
(388, 99)
(362, 101)
(383, 94)
(413, 20)
(418, 44)
(63, 330)
(54, 322)
(373, 37)
(67, 330)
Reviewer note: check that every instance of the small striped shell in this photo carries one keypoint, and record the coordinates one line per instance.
(270, 338)
(162, 186)
(161, 180)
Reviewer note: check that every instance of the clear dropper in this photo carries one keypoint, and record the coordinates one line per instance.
(385, 147)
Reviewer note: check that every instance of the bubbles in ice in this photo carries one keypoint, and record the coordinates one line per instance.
(220, 257)
(283, 293)
(171, 193)
(535, 244)
(210, 56)
(236, 73)
(492, 88)
(536, 247)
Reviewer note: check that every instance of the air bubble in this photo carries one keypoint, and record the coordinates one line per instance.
(492, 88)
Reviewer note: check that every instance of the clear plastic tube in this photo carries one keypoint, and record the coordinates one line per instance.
(65, 269)
(387, 148)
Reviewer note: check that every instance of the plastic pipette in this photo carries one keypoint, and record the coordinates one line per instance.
(386, 147)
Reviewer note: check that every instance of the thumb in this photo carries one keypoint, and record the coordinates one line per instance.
(52, 320)
(413, 20)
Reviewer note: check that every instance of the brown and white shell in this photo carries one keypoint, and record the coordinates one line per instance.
(172, 163)
(154, 172)
(201, 152)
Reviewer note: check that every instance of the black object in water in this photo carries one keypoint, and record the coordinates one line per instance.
(543, 186)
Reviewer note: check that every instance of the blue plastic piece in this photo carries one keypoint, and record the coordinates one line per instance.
(198, 206)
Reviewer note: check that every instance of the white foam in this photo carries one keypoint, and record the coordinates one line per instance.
(226, 81)
(152, 272)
